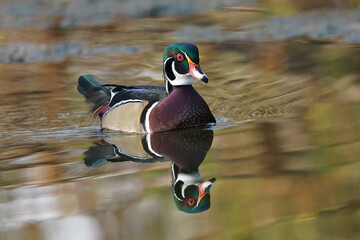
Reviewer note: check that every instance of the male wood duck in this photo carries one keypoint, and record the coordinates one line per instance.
(147, 109)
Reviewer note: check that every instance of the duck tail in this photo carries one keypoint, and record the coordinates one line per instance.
(92, 89)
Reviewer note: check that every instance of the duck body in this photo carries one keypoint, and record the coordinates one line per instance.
(183, 108)
(147, 109)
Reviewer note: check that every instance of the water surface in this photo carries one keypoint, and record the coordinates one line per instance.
(285, 152)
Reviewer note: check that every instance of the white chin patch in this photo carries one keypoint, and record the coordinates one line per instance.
(181, 79)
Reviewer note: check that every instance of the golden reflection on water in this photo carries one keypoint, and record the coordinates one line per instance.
(273, 179)
(285, 152)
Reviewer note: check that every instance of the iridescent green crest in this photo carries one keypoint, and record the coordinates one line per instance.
(190, 49)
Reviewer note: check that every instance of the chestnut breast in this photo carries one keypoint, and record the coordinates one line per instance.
(183, 108)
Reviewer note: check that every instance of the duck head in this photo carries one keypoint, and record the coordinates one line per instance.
(182, 65)
(191, 191)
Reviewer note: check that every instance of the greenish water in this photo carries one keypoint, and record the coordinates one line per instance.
(285, 152)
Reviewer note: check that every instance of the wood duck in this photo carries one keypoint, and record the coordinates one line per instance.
(186, 148)
(146, 109)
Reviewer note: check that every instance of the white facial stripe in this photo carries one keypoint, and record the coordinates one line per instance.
(147, 116)
(167, 60)
(165, 76)
(187, 57)
(189, 179)
(167, 80)
(181, 79)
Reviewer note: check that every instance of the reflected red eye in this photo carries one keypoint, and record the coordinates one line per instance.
(191, 201)
(179, 57)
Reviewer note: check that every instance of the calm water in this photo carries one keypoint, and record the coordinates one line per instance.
(285, 152)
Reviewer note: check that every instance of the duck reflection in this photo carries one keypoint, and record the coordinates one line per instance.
(186, 149)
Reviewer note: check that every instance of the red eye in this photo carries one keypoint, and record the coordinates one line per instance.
(179, 57)
(191, 201)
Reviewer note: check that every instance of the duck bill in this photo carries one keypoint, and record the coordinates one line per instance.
(204, 188)
(196, 72)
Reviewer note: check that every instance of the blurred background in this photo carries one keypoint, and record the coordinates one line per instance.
(284, 86)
